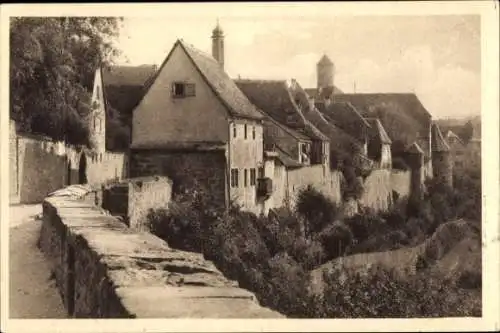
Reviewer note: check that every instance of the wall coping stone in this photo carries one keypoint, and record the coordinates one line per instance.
(150, 279)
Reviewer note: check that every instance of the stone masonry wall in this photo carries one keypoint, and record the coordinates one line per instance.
(401, 182)
(146, 194)
(105, 270)
(377, 193)
(186, 169)
(36, 170)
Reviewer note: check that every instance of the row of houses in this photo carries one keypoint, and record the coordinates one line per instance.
(257, 142)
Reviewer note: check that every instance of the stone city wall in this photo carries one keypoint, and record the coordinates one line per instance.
(103, 269)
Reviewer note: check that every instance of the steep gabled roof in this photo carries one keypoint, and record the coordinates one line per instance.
(268, 121)
(124, 86)
(282, 103)
(378, 130)
(274, 99)
(338, 138)
(221, 84)
(224, 87)
(346, 117)
(438, 143)
(286, 159)
(403, 116)
(408, 102)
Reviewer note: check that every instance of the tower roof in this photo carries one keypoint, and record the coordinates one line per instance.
(438, 142)
(325, 61)
(217, 30)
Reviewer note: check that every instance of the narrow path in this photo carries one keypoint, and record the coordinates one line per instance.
(32, 293)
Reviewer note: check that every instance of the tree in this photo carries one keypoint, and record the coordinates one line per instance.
(52, 62)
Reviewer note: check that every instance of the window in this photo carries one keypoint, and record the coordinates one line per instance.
(252, 177)
(234, 177)
(245, 179)
(245, 131)
(261, 172)
(253, 132)
(181, 89)
(234, 130)
(95, 126)
(98, 94)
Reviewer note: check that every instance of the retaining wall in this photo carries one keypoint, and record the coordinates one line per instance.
(103, 269)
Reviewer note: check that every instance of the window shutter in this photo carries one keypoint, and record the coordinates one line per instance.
(190, 89)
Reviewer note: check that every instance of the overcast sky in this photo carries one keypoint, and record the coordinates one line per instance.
(437, 57)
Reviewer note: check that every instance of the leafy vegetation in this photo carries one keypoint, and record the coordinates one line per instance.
(52, 63)
(272, 256)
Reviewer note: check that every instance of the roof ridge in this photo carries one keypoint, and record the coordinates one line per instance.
(259, 80)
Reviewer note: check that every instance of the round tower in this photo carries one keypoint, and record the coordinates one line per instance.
(325, 71)
(414, 157)
(442, 161)
(218, 44)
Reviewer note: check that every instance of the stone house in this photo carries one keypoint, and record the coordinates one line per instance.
(276, 99)
(297, 153)
(403, 117)
(195, 126)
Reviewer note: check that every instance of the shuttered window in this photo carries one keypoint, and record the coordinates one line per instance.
(190, 90)
(252, 177)
(182, 89)
(234, 177)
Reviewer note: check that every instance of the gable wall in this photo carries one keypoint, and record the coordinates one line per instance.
(161, 118)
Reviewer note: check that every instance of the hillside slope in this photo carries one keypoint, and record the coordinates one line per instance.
(453, 249)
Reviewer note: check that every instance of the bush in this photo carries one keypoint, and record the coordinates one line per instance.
(383, 294)
(335, 239)
(470, 280)
(365, 225)
(352, 186)
(316, 208)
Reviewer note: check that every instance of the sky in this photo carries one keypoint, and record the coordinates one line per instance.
(436, 57)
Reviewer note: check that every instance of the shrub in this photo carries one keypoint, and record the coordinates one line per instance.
(470, 280)
(352, 186)
(309, 254)
(335, 239)
(365, 225)
(316, 208)
(382, 293)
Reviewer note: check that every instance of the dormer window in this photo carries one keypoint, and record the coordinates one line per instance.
(182, 90)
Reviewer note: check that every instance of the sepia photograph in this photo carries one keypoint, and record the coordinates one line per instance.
(246, 161)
